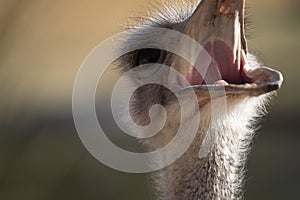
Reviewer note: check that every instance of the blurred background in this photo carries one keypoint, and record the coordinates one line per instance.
(43, 43)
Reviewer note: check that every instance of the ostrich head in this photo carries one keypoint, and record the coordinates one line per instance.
(218, 26)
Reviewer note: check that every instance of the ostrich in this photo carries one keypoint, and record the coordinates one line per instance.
(219, 26)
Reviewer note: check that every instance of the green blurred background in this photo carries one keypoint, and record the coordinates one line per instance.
(43, 43)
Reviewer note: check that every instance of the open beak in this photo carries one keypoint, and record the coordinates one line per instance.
(218, 25)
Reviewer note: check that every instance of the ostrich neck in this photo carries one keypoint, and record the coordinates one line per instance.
(219, 175)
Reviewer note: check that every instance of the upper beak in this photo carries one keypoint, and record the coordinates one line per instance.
(219, 19)
(218, 25)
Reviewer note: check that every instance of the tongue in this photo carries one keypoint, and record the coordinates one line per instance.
(222, 69)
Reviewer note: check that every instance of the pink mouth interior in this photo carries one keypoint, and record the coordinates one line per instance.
(222, 70)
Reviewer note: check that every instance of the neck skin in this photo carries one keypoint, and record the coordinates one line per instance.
(219, 174)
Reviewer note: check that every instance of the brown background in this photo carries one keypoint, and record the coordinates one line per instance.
(43, 43)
